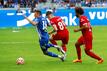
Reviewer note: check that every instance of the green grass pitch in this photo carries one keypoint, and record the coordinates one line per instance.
(25, 44)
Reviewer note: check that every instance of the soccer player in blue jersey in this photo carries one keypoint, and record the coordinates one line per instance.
(41, 24)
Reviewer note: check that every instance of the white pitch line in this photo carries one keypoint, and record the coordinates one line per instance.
(14, 31)
(10, 14)
(19, 14)
(11, 42)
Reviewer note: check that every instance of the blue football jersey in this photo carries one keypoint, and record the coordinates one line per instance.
(42, 27)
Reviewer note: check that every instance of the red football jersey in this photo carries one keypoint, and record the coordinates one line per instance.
(87, 33)
(58, 23)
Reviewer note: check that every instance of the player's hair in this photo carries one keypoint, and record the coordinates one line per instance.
(79, 10)
(38, 11)
(48, 13)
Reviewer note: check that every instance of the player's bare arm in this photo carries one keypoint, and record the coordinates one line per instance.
(32, 22)
(54, 30)
(80, 29)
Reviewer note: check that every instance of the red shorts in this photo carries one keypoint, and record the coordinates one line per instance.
(86, 42)
(63, 36)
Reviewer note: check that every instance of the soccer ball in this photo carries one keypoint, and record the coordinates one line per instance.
(20, 61)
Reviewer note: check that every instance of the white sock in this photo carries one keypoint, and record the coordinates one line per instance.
(59, 56)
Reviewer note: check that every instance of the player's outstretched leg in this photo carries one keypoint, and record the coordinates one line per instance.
(62, 51)
(93, 55)
(54, 55)
(50, 54)
(46, 52)
(55, 46)
(62, 57)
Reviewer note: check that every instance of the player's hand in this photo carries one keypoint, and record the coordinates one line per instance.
(24, 15)
(49, 33)
(76, 30)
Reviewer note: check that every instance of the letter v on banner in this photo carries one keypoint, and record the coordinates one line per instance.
(72, 20)
(92, 15)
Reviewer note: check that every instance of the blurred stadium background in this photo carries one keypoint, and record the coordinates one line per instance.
(54, 3)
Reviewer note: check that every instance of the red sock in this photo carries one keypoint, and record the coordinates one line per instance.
(64, 47)
(93, 55)
(53, 42)
(78, 51)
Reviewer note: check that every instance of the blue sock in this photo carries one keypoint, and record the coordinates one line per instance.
(52, 54)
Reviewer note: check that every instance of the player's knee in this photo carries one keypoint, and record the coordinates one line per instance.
(51, 38)
(63, 45)
(76, 44)
(45, 52)
(87, 51)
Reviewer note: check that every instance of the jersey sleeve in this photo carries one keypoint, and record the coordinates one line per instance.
(36, 20)
(83, 21)
(48, 22)
(51, 22)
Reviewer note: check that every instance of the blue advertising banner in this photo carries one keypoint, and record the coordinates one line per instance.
(9, 18)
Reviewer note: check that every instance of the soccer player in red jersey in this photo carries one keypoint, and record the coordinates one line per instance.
(60, 31)
(86, 37)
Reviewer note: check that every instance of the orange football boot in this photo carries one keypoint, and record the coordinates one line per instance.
(77, 60)
(100, 61)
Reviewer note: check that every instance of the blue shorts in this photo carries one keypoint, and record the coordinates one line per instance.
(44, 43)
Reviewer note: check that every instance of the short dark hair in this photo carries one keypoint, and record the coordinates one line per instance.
(79, 10)
(38, 11)
(48, 13)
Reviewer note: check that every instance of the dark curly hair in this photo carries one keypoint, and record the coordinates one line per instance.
(79, 10)
(38, 11)
(48, 13)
